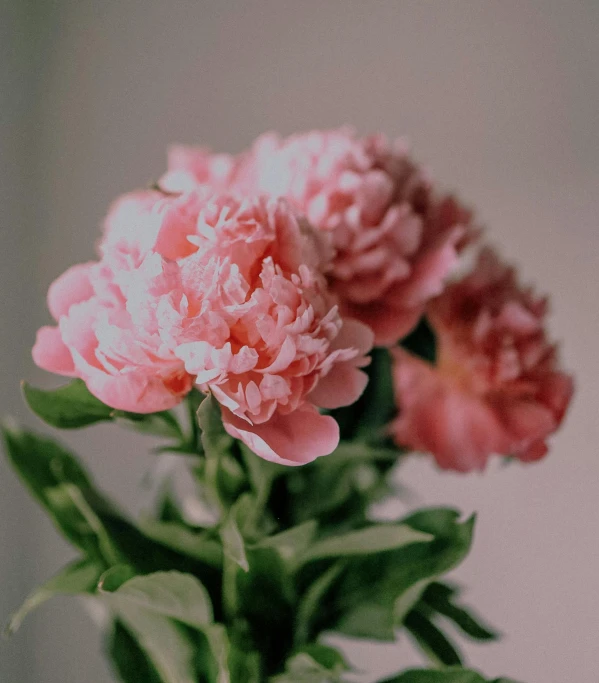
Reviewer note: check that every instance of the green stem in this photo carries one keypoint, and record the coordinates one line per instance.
(192, 409)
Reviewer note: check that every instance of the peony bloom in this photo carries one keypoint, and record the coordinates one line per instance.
(97, 338)
(395, 240)
(220, 291)
(496, 388)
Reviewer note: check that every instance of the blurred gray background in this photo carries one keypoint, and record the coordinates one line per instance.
(500, 100)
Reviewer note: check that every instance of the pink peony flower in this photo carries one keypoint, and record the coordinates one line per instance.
(221, 291)
(497, 387)
(98, 338)
(395, 240)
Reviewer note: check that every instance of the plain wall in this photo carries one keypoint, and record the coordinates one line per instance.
(500, 100)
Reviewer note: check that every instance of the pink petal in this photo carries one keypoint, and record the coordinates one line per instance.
(460, 430)
(341, 387)
(427, 277)
(293, 439)
(388, 324)
(50, 352)
(134, 392)
(354, 334)
(72, 287)
(526, 420)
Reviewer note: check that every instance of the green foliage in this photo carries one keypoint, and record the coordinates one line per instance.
(201, 545)
(358, 606)
(81, 576)
(448, 675)
(440, 598)
(451, 675)
(153, 608)
(435, 644)
(313, 665)
(169, 594)
(68, 407)
(421, 342)
(164, 643)
(72, 407)
(129, 660)
(290, 553)
(59, 483)
(373, 539)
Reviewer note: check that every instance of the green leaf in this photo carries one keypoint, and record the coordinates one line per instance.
(312, 601)
(264, 598)
(215, 439)
(327, 656)
(358, 606)
(162, 423)
(261, 472)
(378, 398)
(368, 620)
(435, 644)
(443, 523)
(374, 539)
(199, 545)
(267, 582)
(157, 605)
(220, 649)
(68, 407)
(317, 491)
(129, 660)
(438, 521)
(262, 475)
(82, 515)
(57, 481)
(168, 594)
(72, 406)
(193, 401)
(292, 543)
(222, 479)
(112, 579)
(438, 597)
(408, 599)
(305, 668)
(244, 665)
(357, 451)
(78, 577)
(164, 643)
(422, 342)
(233, 543)
(450, 675)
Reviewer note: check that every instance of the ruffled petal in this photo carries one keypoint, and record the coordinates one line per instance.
(50, 352)
(293, 439)
(72, 287)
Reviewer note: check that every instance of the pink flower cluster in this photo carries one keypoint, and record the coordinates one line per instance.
(265, 278)
(496, 386)
(395, 240)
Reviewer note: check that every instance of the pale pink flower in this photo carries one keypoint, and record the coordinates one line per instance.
(395, 239)
(221, 291)
(496, 387)
(124, 364)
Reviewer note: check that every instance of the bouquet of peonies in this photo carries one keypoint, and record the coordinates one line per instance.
(301, 301)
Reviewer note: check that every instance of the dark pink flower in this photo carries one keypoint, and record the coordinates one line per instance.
(395, 239)
(496, 387)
